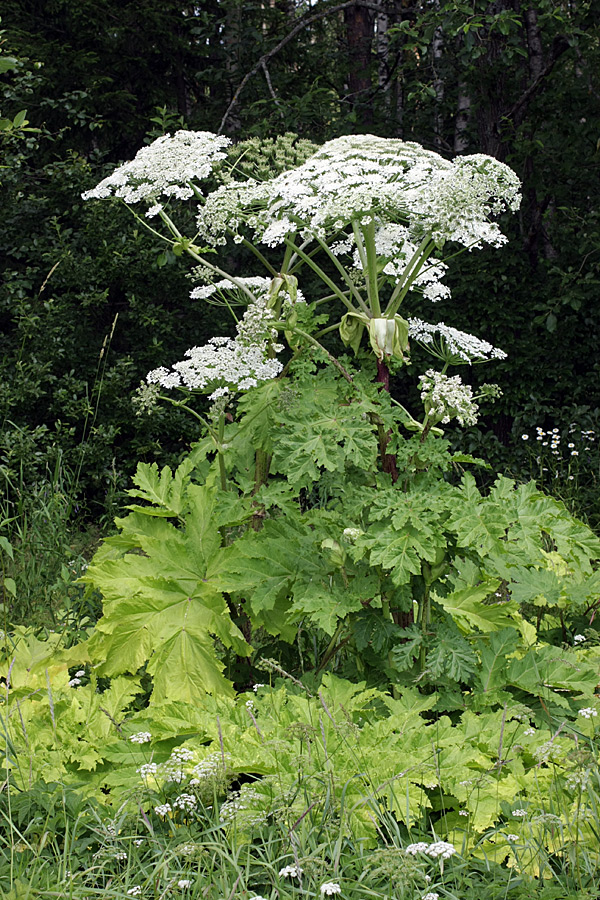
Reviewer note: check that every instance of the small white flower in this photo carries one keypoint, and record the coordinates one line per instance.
(257, 687)
(574, 452)
(571, 446)
(184, 883)
(163, 809)
(138, 842)
(463, 812)
(142, 737)
(431, 895)
(525, 437)
(290, 872)
(135, 891)
(74, 682)
(419, 847)
(512, 838)
(442, 849)
(330, 888)
(519, 813)
(588, 712)
(579, 638)
(185, 801)
(80, 674)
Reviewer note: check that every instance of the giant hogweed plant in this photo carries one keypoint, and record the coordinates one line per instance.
(314, 498)
(316, 503)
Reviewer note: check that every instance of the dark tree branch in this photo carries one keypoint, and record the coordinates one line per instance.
(303, 23)
(559, 46)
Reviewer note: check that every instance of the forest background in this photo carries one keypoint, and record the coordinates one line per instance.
(87, 306)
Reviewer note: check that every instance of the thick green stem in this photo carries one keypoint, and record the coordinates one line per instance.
(222, 469)
(410, 274)
(351, 286)
(324, 278)
(332, 647)
(371, 271)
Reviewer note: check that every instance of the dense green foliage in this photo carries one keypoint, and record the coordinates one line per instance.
(501, 79)
(326, 647)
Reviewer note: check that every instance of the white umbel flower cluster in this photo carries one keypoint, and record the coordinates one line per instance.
(222, 363)
(257, 283)
(446, 397)
(451, 345)
(164, 168)
(359, 176)
(226, 365)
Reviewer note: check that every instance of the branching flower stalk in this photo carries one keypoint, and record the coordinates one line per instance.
(375, 208)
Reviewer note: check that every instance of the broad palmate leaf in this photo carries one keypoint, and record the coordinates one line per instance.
(162, 602)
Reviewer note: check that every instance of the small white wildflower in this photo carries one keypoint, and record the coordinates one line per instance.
(290, 872)
(142, 737)
(163, 809)
(463, 812)
(74, 682)
(330, 888)
(574, 452)
(138, 842)
(351, 534)
(185, 801)
(184, 883)
(517, 813)
(525, 437)
(588, 712)
(147, 769)
(120, 855)
(154, 210)
(182, 754)
(441, 849)
(571, 445)
(80, 674)
(257, 687)
(579, 638)
(431, 895)
(135, 891)
(419, 847)
(512, 838)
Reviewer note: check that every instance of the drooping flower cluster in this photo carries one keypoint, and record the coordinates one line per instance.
(446, 397)
(164, 168)
(451, 345)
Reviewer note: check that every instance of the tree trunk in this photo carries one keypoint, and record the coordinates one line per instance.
(359, 36)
